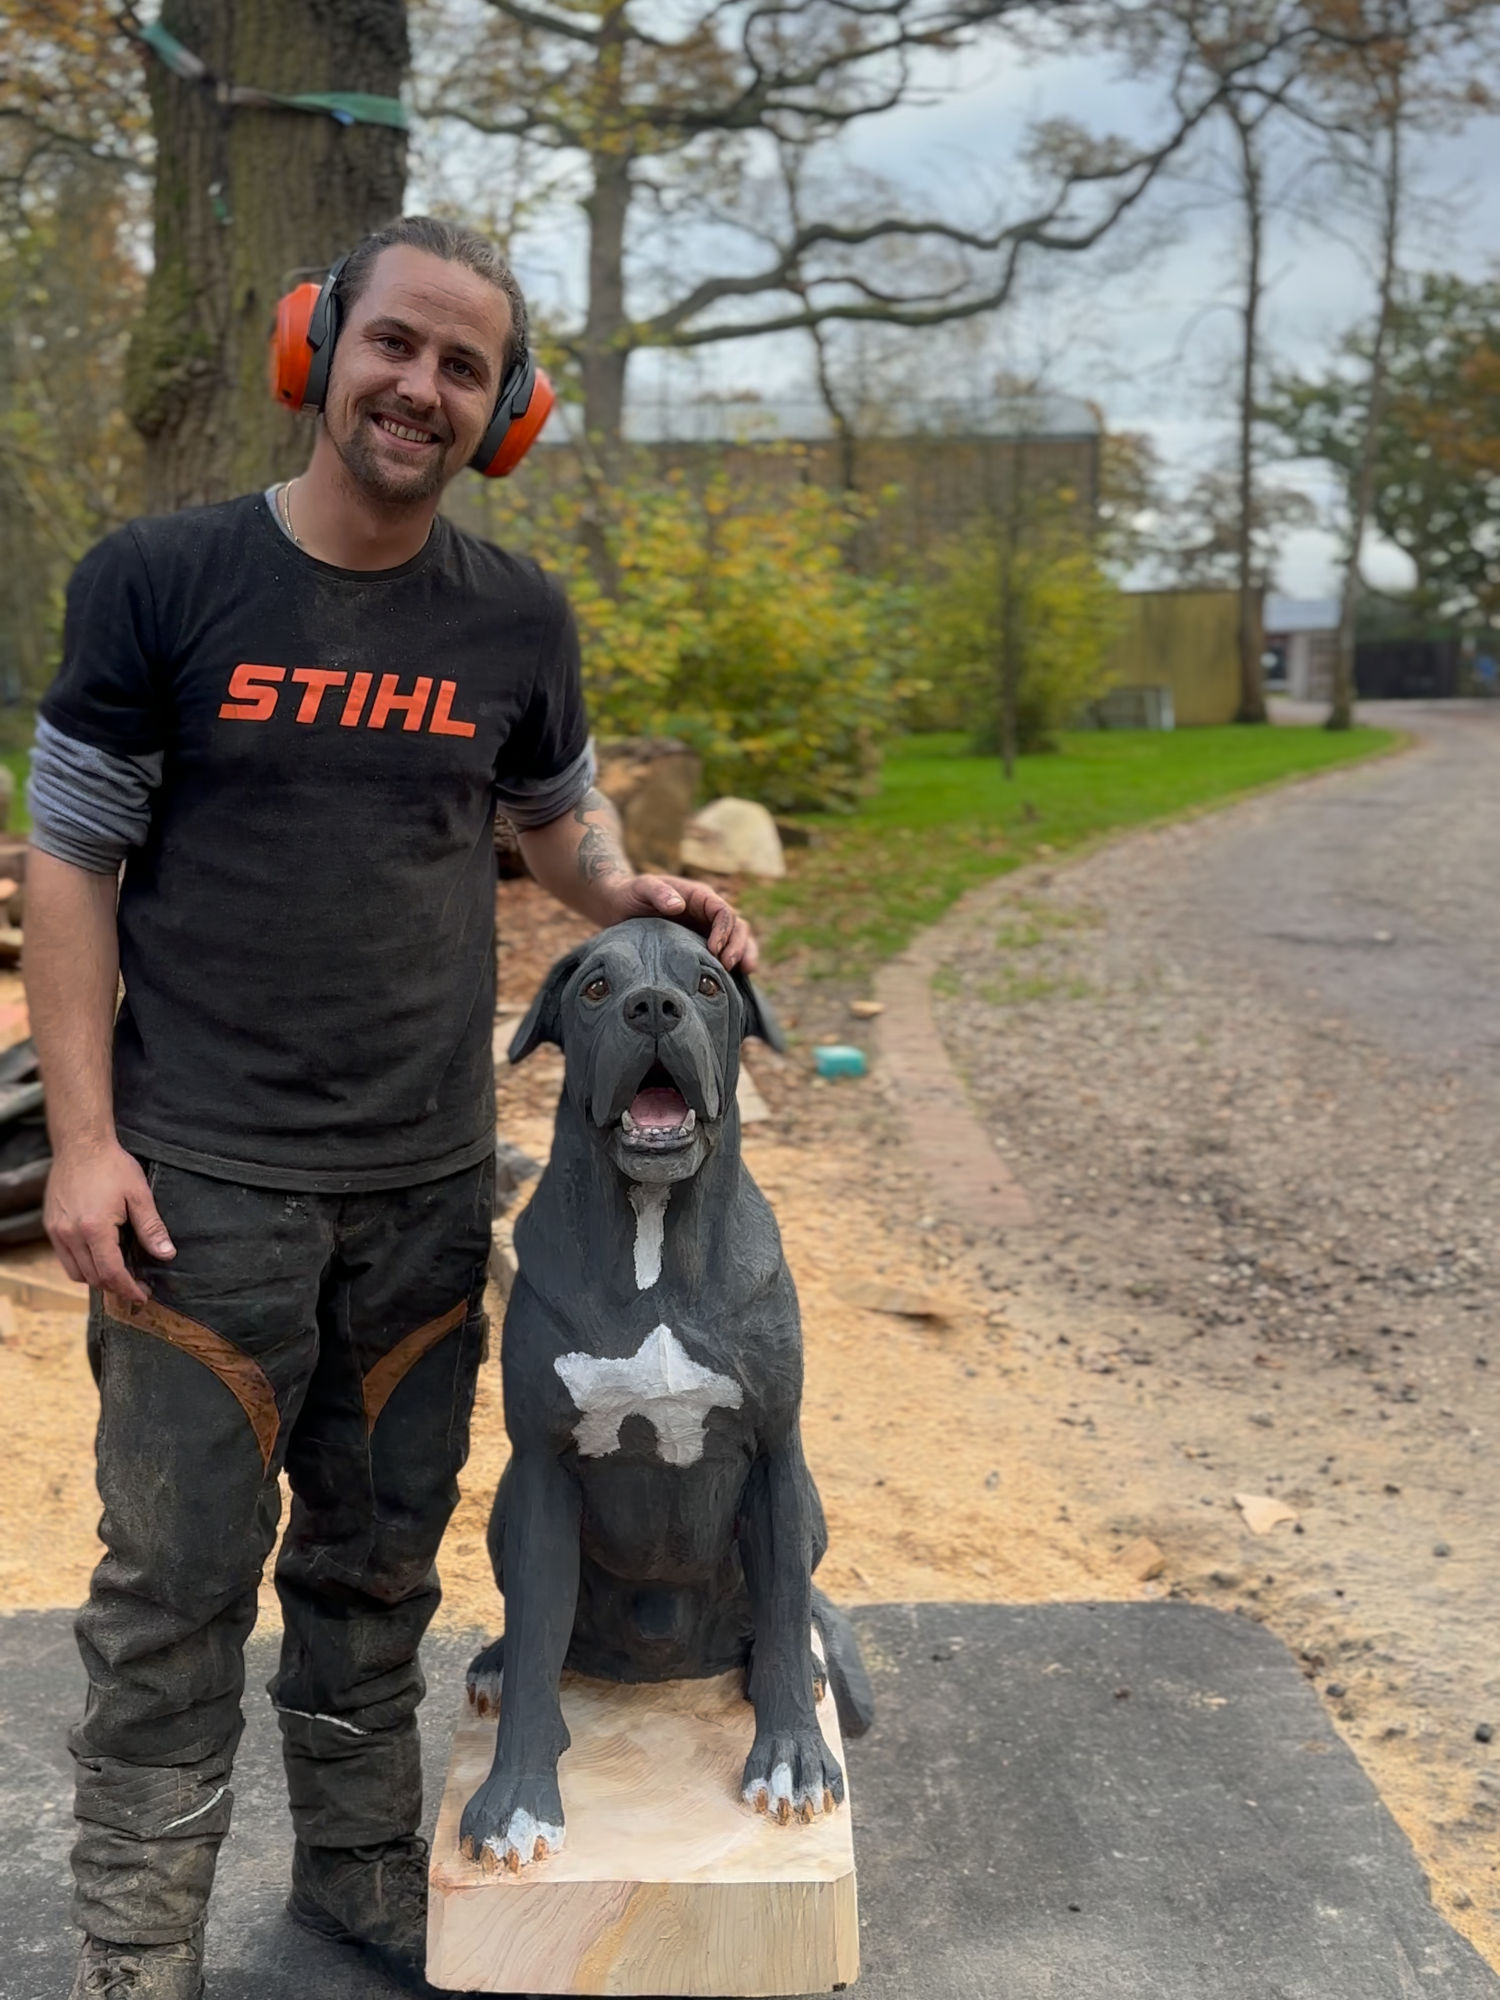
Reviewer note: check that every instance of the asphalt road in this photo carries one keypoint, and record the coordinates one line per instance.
(1084, 1802)
(1379, 890)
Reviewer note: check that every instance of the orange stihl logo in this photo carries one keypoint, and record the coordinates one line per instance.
(255, 691)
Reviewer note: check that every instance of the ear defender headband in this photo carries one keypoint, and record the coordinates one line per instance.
(307, 330)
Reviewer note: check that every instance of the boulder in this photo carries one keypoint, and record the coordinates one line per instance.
(734, 837)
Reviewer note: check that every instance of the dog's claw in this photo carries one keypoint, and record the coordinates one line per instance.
(513, 1824)
(485, 1678)
(792, 1776)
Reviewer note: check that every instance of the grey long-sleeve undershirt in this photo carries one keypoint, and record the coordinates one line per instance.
(88, 806)
(91, 806)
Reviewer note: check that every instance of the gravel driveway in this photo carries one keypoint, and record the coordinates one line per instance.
(1245, 1068)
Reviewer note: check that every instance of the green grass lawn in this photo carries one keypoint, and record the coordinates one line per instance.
(944, 820)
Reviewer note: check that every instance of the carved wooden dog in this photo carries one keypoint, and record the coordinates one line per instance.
(657, 1519)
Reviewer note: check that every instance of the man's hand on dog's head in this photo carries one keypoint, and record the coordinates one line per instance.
(702, 909)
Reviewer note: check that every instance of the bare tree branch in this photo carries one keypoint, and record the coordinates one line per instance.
(1043, 231)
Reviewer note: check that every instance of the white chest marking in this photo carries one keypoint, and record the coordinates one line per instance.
(650, 1205)
(660, 1382)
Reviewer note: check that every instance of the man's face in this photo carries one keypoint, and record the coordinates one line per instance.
(415, 374)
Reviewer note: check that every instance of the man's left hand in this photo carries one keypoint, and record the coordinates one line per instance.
(730, 938)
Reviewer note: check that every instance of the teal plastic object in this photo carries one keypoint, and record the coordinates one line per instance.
(838, 1059)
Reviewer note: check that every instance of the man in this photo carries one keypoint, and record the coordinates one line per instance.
(291, 717)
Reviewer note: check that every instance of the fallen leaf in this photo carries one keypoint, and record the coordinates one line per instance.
(866, 1010)
(1262, 1513)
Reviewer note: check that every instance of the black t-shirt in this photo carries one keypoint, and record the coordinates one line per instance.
(307, 935)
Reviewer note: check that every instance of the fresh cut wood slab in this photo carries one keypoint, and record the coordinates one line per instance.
(666, 1883)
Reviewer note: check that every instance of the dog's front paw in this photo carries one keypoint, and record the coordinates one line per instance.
(485, 1675)
(510, 1822)
(792, 1772)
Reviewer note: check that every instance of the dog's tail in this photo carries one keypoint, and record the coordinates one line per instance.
(853, 1696)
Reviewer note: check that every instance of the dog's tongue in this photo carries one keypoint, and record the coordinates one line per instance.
(659, 1109)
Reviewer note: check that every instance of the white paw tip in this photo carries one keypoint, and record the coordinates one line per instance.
(526, 1839)
(782, 1800)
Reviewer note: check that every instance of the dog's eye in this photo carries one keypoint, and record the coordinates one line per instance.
(597, 989)
(708, 986)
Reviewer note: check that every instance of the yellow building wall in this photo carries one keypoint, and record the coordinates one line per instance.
(1187, 640)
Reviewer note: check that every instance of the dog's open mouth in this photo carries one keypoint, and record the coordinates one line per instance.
(659, 1118)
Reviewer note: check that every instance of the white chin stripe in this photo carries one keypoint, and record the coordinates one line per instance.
(650, 1205)
(660, 1382)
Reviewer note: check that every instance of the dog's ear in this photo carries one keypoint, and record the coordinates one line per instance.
(759, 1015)
(543, 1021)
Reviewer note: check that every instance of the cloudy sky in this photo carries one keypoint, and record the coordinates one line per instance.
(1154, 341)
(1144, 326)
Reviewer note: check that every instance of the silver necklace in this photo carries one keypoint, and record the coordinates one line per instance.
(284, 502)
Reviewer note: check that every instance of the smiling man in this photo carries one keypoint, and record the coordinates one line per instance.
(291, 718)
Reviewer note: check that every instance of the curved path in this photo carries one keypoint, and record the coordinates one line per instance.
(1243, 1070)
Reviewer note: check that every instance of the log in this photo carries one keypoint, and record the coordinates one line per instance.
(666, 1883)
(650, 781)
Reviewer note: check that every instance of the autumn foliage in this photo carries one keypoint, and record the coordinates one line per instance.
(735, 622)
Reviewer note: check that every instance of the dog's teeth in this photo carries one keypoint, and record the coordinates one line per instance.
(689, 1122)
(628, 1124)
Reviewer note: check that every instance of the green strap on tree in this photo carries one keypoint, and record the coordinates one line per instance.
(347, 107)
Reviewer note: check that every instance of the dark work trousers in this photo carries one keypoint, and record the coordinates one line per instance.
(335, 1336)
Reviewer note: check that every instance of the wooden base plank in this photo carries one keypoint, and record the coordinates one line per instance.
(667, 1883)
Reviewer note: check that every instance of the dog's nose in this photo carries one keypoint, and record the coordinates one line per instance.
(654, 1010)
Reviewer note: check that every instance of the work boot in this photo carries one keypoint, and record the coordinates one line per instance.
(140, 1971)
(372, 1897)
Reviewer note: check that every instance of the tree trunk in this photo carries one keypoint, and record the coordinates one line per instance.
(605, 348)
(248, 201)
(1010, 619)
(1252, 706)
(1362, 487)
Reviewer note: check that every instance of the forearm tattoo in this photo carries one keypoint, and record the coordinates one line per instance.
(599, 854)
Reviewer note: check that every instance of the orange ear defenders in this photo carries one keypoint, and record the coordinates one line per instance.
(307, 329)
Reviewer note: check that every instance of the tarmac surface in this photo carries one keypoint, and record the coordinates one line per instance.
(1093, 1802)
(1378, 887)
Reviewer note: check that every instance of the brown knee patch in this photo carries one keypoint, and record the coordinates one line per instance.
(241, 1375)
(405, 1355)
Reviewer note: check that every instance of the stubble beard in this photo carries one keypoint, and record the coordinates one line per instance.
(360, 455)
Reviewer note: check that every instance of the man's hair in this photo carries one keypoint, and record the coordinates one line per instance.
(455, 245)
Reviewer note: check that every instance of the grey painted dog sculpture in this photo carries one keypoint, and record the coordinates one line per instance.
(657, 1518)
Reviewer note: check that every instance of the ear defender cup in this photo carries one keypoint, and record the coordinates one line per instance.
(307, 325)
(526, 402)
(301, 352)
(289, 356)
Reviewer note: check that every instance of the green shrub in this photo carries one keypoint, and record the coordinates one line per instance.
(1064, 613)
(735, 623)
